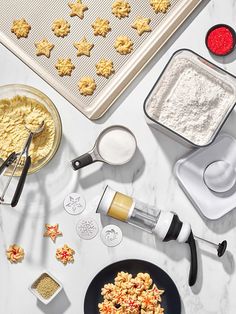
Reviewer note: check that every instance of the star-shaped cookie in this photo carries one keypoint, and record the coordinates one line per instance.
(141, 24)
(43, 47)
(83, 47)
(52, 231)
(77, 9)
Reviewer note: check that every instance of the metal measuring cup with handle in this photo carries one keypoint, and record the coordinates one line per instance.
(115, 146)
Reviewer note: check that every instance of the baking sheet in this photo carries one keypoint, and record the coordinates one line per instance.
(41, 14)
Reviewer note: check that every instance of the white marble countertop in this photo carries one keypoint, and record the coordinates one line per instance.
(149, 178)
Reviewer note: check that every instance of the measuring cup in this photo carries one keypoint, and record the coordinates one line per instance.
(115, 146)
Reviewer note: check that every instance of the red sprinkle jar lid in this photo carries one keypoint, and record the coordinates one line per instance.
(221, 39)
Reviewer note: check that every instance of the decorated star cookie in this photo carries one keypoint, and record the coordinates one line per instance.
(86, 85)
(65, 254)
(61, 28)
(43, 47)
(123, 45)
(121, 8)
(101, 27)
(104, 67)
(15, 253)
(160, 5)
(64, 66)
(20, 28)
(83, 47)
(77, 9)
(52, 231)
(141, 24)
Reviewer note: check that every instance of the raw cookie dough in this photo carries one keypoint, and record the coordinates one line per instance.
(86, 85)
(43, 47)
(123, 45)
(160, 5)
(65, 254)
(121, 8)
(104, 67)
(61, 28)
(15, 253)
(83, 47)
(101, 27)
(141, 24)
(64, 66)
(20, 28)
(52, 231)
(77, 9)
(17, 112)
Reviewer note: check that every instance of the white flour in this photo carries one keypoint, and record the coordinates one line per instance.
(190, 100)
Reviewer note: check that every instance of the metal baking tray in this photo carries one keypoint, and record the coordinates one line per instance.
(41, 14)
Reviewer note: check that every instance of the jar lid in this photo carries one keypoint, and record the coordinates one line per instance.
(106, 200)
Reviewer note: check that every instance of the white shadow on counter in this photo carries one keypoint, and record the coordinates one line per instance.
(127, 173)
(59, 305)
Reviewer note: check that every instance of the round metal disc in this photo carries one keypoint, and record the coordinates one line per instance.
(219, 176)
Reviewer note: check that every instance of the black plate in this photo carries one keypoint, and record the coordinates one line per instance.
(170, 299)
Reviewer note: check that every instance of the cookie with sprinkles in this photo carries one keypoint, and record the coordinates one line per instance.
(52, 231)
(65, 254)
(15, 253)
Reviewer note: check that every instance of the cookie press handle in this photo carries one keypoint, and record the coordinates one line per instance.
(82, 161)
(168, 228)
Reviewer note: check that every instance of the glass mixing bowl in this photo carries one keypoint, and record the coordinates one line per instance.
(9, 91)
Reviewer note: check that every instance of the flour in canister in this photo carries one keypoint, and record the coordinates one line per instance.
(190, 100)
(117, 146)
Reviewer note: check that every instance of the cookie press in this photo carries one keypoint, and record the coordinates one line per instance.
(166, 225)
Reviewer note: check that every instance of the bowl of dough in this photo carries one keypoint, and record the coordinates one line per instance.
(22, 108)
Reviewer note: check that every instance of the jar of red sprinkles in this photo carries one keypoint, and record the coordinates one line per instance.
(220, 39)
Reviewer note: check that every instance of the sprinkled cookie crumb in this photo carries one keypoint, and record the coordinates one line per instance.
(61, 28)
(101, 27)
(86, 85)
(121, 8)
(104, 67)
(123, 45)
(64, 66)
(20, 28)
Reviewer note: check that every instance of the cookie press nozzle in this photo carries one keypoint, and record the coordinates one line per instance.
(164, 224)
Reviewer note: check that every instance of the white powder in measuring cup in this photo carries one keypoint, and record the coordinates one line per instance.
(117, 145)
(190, 100)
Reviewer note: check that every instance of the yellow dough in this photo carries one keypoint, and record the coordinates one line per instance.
(141, 24)
(43, 47)
(17, 112)
(77, 9)
(64, 66)
(20, 28)
(121, 8)
(160, 5)
(86, 85)
(104, 67)
(83, 47)
(123, 45)
(15, 253)
(61, 28)
(101, 27)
